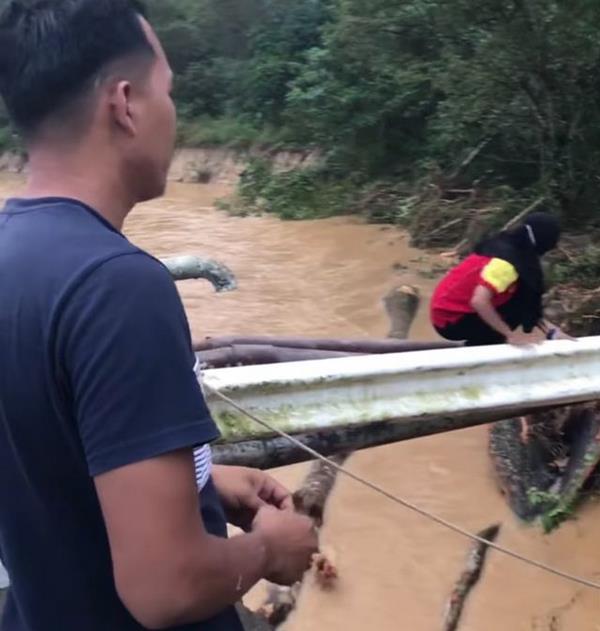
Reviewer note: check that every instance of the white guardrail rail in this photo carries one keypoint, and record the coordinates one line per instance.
(458, 387)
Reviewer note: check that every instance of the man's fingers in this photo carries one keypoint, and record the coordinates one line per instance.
(288, 502)
(274, 493)
(255, 502)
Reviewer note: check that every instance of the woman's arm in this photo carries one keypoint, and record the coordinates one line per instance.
(484, 307)
(553, 332)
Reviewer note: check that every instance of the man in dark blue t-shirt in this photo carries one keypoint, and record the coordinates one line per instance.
(102, 527)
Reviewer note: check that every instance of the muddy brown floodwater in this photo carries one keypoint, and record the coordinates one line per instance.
(327, 278)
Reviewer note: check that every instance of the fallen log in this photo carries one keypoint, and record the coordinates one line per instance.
(274, 452)
(256, 355)
(469, 578)
(192, 268)
(356, 346)
(280, 452)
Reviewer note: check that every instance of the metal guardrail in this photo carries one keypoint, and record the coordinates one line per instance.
(442, 389)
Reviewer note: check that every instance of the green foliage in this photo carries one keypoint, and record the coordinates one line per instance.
(478, 93)
(296, 194)
(236, 133)
(255, 179)
(555, 511)
(582, 270)
(388, 89)
(237, 57)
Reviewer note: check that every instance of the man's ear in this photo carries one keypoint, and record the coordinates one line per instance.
(121, 107)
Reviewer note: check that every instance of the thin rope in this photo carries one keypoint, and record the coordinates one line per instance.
(405, 503)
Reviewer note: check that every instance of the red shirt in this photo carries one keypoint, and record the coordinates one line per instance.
(452, 297)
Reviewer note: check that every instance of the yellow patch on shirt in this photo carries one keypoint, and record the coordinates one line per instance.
(501, 275)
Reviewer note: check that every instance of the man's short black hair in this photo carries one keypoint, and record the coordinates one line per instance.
(52, 51)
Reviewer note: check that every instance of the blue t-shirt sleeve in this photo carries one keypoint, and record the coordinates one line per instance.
(130, 367)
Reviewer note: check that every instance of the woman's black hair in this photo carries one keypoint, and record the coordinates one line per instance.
(523, 247)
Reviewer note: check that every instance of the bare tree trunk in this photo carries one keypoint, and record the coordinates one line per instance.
(402, 305)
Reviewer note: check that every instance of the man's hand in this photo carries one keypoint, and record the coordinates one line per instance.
(244, 492)
(291, 541)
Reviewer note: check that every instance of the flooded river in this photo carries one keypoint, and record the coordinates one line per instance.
(327, 278)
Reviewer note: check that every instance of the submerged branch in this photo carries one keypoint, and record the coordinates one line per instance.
(469, 578)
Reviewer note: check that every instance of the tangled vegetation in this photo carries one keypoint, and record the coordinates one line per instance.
(444, 116)
(436, 115)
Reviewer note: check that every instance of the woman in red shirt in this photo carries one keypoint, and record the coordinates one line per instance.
(499, 288)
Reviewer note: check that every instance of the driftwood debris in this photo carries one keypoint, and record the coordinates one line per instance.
(477, 228)
(544, 474)
(262, 352)
(469, 578)
(583, 461)
(256, 355)
(192, 268)
(251, 621)
(311, 498)
(518, 467)
(517, 219)
(342, 345)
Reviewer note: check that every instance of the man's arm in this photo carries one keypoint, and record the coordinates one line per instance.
(124, 349)
(168, 570)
